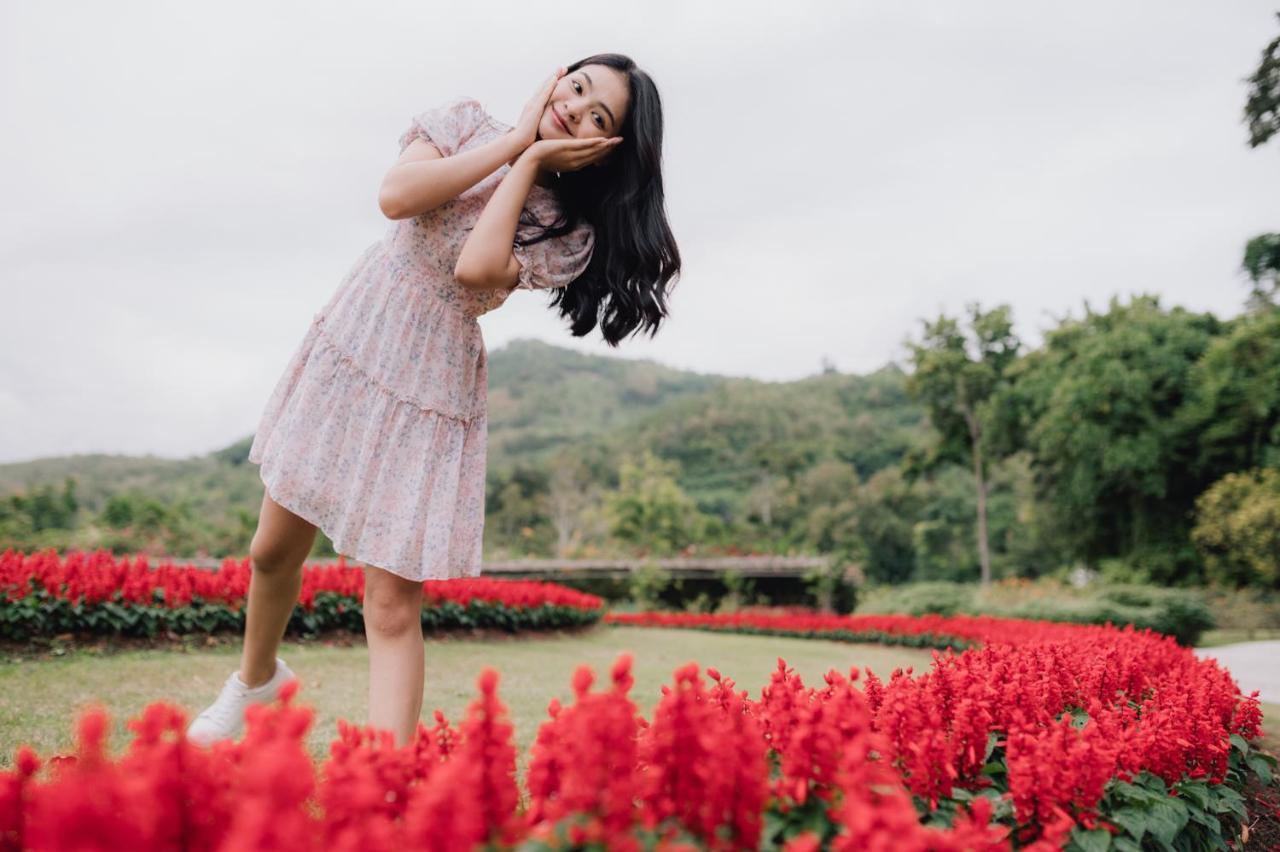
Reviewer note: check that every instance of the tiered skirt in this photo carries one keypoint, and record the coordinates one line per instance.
(376, 430)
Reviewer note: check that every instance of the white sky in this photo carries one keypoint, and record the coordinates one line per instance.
(182, 186)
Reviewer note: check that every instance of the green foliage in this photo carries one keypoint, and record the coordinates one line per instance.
(40, 508)
(650, 509)
(926, 598)
(1262, 107)
(879, 525)
(1124, 417)
(1262, 265)
(737, 589)
(1193, 814)
(1238, 529)
(830, 588)
(1234, 405)
(1173, 612)
(648, 582)
(959, 375)
(1100, 407)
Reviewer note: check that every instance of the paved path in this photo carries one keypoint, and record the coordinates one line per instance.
(1254, 665)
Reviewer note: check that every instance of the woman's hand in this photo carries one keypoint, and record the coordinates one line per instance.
(526, 129)
(570, 155)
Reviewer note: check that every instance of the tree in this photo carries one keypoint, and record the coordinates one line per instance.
(1262, 113)
(1102, 410)
(513, 508)
(569, 493)
(649, 509)
(957, 373)
(41, 508)
(1235, 397)
(1262, 108)
(1262, 264)
(1238, 528)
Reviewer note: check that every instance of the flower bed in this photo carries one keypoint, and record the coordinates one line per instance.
(1106, 735)
(921, 631)
(43, 594)
(1094, 737)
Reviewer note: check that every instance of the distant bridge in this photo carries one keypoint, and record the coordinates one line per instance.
(746, 566)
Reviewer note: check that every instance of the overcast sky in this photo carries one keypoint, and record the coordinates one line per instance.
(185, 185)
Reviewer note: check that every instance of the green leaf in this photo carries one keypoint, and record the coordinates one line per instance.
(1097, 840)
(1196, 793)
(1230, 800)
(1166, 819)
(1132, 820)
(1154, 782)
(1134, 793)
(1125, 844)
(992, 738)
(1259, 764)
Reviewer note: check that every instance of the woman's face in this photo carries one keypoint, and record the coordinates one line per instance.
(591, 102)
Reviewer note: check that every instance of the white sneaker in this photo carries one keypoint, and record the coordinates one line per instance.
(225, 717)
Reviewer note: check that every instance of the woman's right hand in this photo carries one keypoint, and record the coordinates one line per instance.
(526, 129)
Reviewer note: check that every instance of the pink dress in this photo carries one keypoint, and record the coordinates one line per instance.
(376, 431)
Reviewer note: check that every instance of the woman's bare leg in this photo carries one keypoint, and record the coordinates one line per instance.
(279, 547)
(393, 630)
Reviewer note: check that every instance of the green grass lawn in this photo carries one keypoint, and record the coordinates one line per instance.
(40, 698)
(1230, 636)
(1271, 727)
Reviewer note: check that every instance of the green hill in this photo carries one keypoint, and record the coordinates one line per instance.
(723, 435)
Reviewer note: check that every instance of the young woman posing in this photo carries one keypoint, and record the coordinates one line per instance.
(376, 431)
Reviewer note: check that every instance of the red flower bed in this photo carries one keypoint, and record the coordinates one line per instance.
(957, 631)
(695, 776)
(1095, 736)
(1058, 717)
(44, 593)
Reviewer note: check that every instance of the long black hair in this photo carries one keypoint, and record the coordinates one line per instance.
(635, 258)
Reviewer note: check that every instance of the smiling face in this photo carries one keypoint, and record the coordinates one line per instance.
(591, 102)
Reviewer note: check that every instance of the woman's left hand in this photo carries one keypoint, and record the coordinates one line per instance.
(570, 155)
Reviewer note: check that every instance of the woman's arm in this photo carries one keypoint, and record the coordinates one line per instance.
(486, 261)
(422, 179)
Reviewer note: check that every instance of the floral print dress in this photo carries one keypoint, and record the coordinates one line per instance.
(376, 430)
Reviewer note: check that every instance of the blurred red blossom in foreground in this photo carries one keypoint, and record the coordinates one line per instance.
(1013, 742)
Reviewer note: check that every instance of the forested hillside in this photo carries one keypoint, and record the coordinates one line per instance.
(727, 445)
(1141, 441)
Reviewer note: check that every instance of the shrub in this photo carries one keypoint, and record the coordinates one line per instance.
(936, 597)
(1238, 529)
(648, 582)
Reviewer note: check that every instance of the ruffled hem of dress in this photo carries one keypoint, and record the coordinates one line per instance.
(346, 454)
(350, 551)
(433, 406)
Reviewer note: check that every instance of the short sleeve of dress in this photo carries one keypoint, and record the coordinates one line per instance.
(448, 126)
(555, 262)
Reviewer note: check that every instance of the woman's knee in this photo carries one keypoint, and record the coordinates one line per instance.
(392, 604)
(274, 554)
(282, 539)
